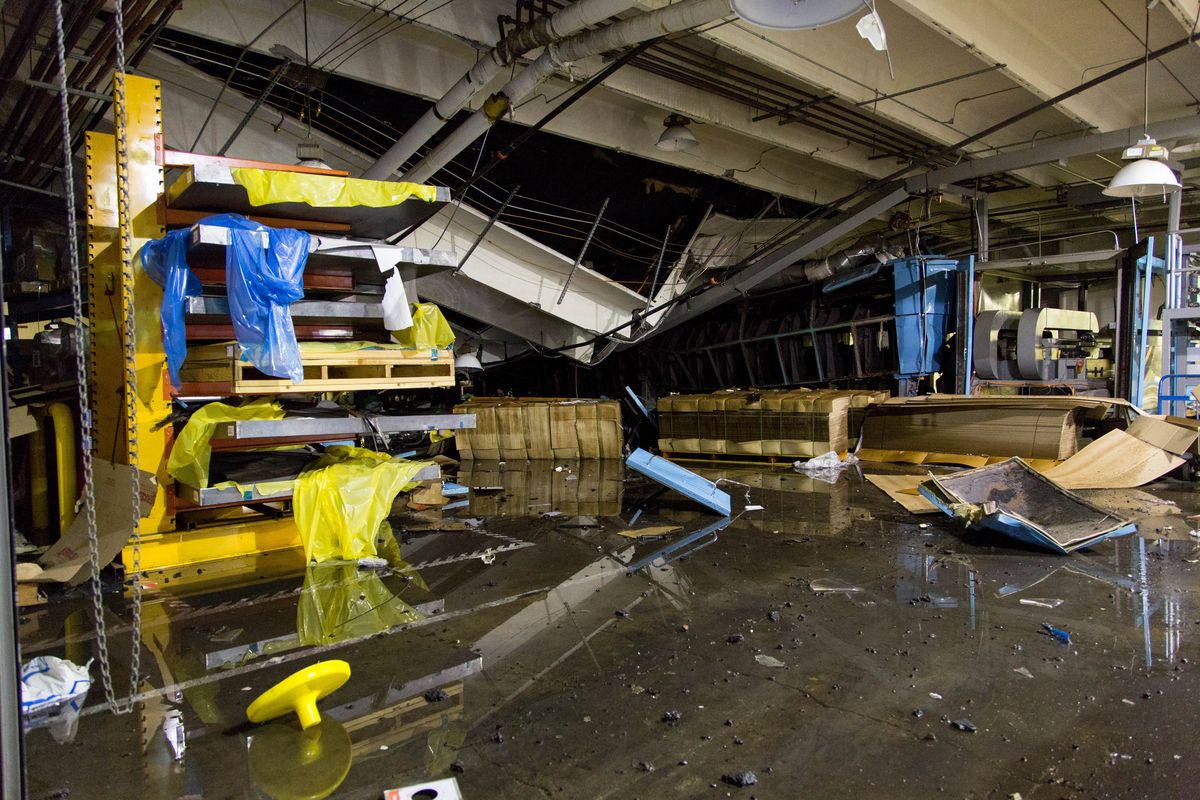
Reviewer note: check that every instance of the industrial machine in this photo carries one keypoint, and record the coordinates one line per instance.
(1041, 347)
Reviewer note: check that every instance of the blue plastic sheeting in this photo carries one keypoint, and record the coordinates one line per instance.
(924, 312)
(165, 261)
(681, 480)
(261, 284)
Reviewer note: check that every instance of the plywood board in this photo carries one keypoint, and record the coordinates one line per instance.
(903, 490)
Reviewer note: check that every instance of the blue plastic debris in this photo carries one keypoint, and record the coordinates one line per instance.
(682, 480)
(1058, 633)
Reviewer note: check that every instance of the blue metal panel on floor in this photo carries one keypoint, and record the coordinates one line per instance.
(682, 480)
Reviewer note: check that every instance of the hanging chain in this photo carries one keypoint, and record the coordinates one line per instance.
(81, 381)
(128, 277)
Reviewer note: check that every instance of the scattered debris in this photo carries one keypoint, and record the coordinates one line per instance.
(774, 616)
(754, 508)
(1023, 671)
(622, 613)
(372, 562)
(446, 789)
(487, 489)
(48, 682)
(645, 766)
(650, 532)
(735, 638)
(768, 661)
(488, 557)
(1058, 633)
(1015, 500)
(682, 480)
(935, 695)
(672, 716)
(173, 730)
(458, 767)
(436, 696)
(918, 713)
(1041, 602)
(740, 779)
(225, 634)
(826, 467)
(963, 725)
(832, 586)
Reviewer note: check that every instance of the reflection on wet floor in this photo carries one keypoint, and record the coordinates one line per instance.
(517, 643)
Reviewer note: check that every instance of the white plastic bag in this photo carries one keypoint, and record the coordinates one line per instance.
(48, 682)
(826, 467)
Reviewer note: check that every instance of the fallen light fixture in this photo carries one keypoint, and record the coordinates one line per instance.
(677, 137)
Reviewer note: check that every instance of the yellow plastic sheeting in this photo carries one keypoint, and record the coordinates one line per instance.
(326, 191)
(316, 348)
(429, 329)
(341, 499)
(340, 601)
(188, 462)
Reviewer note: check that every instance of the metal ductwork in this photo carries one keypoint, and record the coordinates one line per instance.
(541, 32)
(672, 19)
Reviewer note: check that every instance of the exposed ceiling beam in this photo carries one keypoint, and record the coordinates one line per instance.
(781, 258)
(1033, 54)
(418, 59)
(1046, 152)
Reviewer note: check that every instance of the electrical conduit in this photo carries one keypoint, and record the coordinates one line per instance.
(541, 32)
(671, 19)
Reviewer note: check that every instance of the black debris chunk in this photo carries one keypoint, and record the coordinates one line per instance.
(458, 767)
(735, 638)
(672, 716)
(964, 725)
(774, 616)
(918, 713)
(645, 766)
(740, 779)
(622, 613)
(436, 696)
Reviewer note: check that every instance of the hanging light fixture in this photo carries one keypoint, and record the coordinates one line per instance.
(677, 136)
(1147, 174)
(795, 14)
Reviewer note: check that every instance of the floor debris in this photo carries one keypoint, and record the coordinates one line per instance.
(740, 779)
(1023, 671)
(1041, 602)
(1013, 499)
(682, 480)
(768, 661)
(1058, 634)
(826, 467)
(650, 532)
(832, 586)
(963, 725)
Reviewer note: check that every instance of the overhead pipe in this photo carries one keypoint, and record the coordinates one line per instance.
(671, 19)
(541, 32)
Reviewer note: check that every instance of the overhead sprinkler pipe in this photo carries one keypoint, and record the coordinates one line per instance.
(671, 19)
(541, 32)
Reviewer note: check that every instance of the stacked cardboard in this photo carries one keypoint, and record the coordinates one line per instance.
(794, 424)
(973, 431)
(589, 488)
(511, 429)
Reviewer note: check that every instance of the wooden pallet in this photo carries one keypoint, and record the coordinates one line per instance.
(355, 370)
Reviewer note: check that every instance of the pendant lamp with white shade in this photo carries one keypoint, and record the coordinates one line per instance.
(1147, 173)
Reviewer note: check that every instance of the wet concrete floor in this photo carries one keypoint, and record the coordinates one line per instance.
(561, 674)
